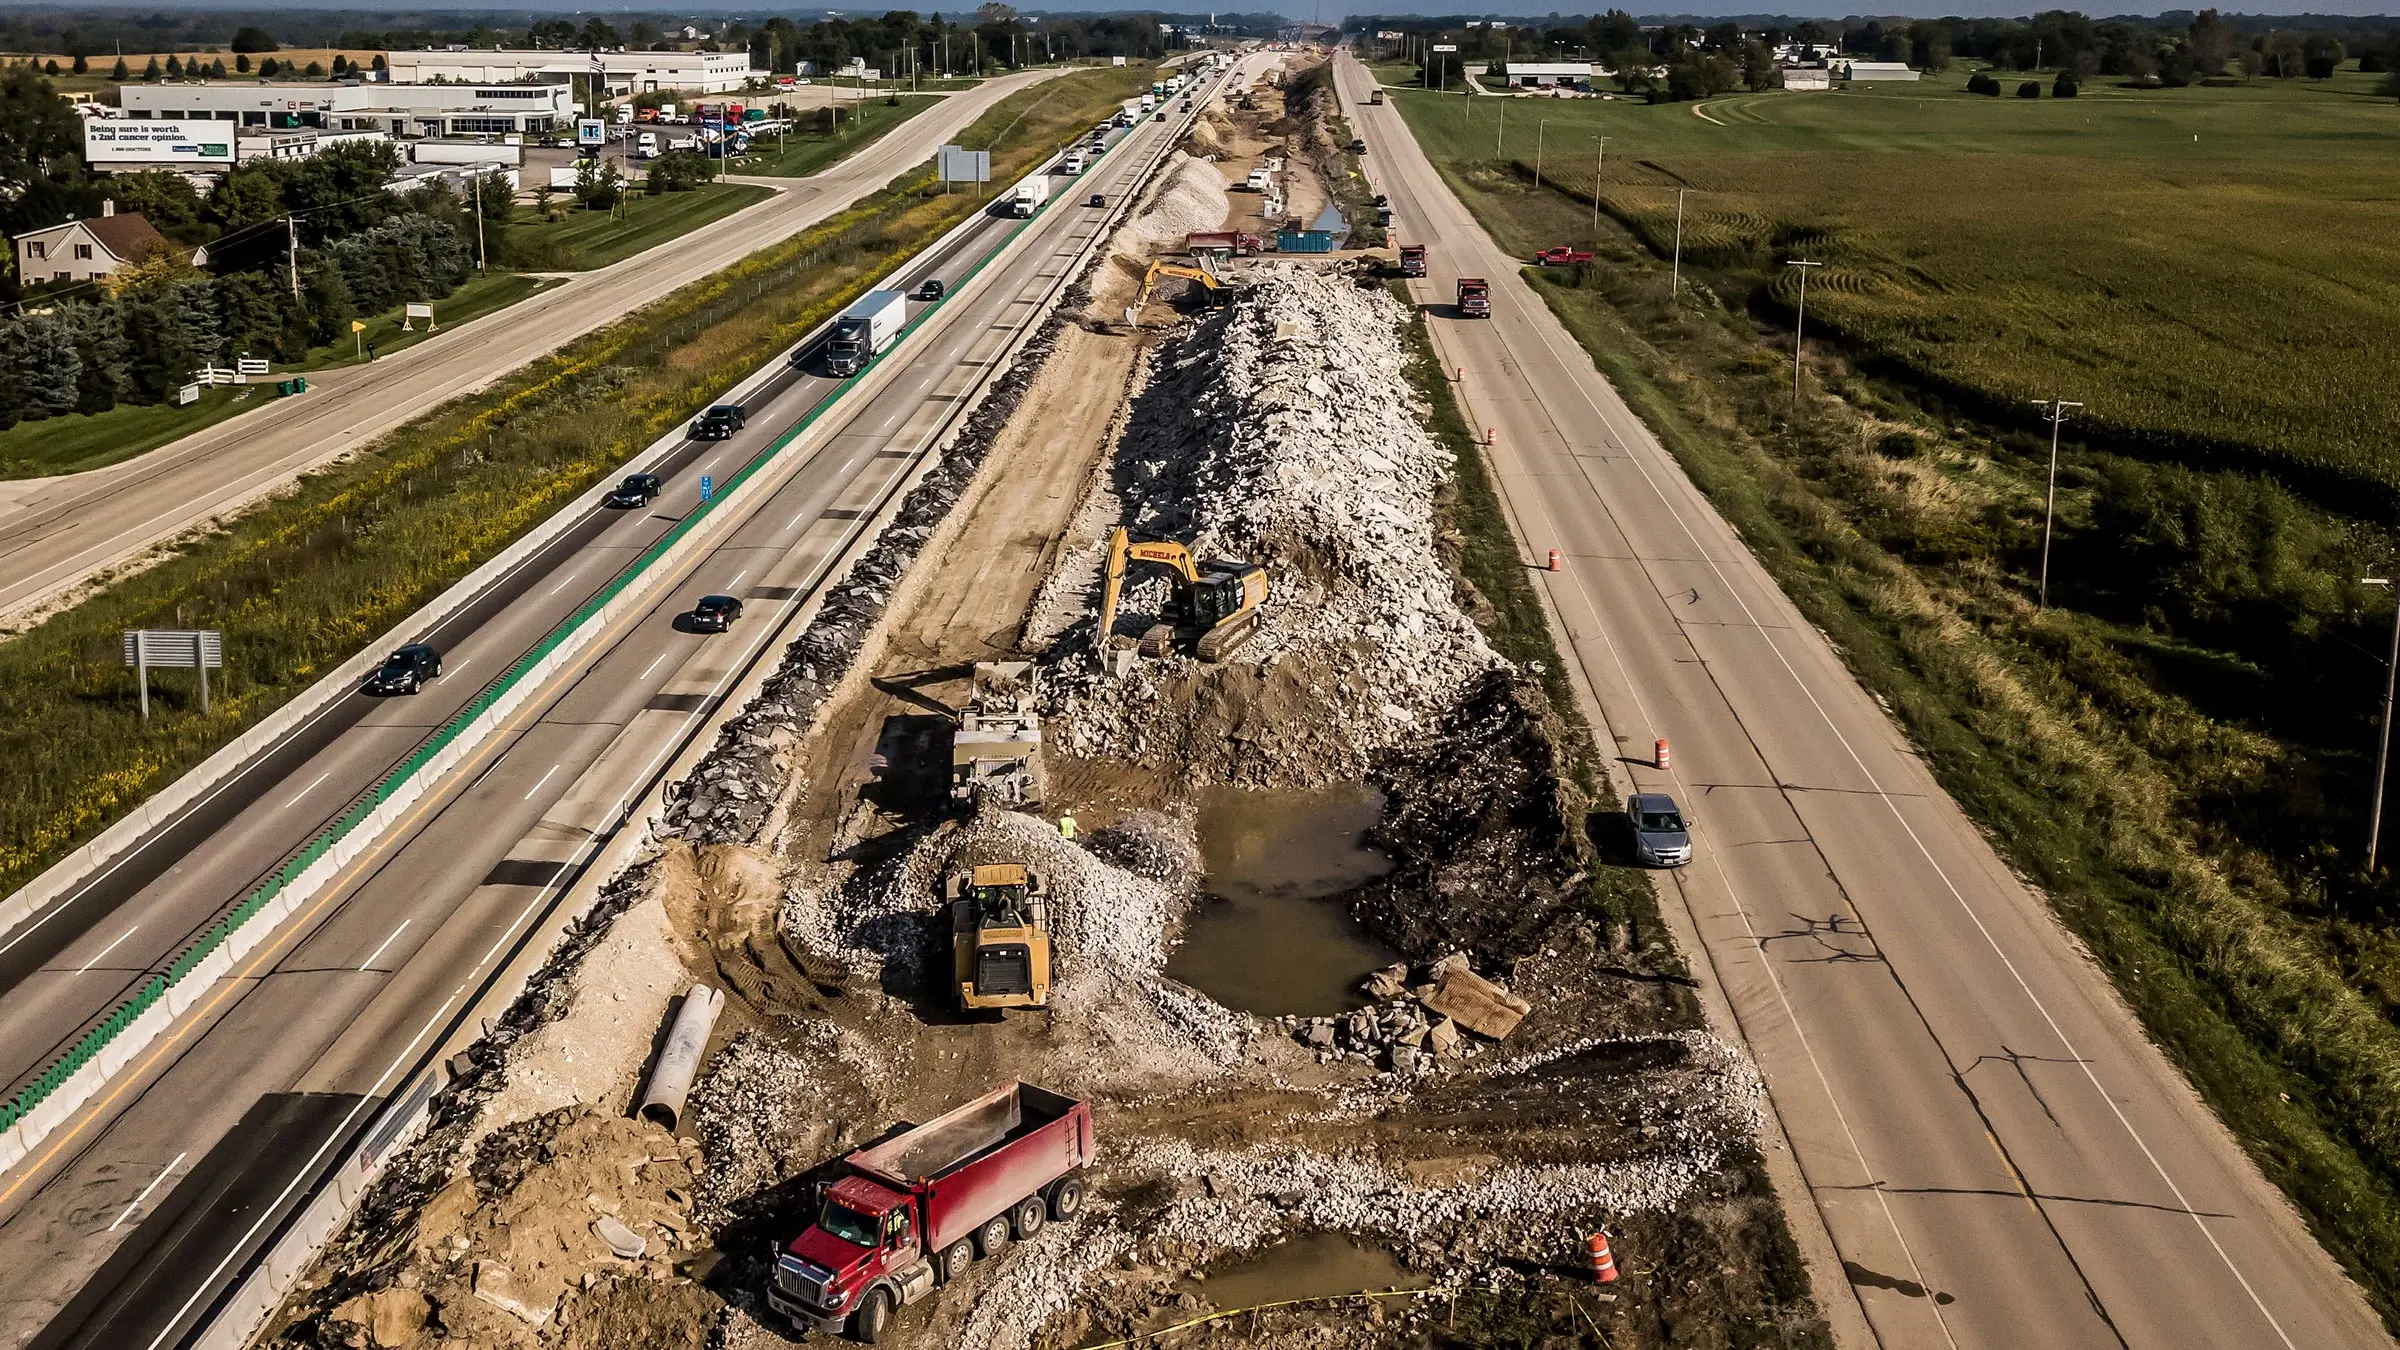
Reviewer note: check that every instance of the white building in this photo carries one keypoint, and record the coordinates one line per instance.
(399, 111)
(1877, 70)
(620, 72)
(1807, 77)
(1548, 74)
(87, 250)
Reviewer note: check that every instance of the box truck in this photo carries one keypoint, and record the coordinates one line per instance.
(916, 1210)
(1029, 195)
(864, 331)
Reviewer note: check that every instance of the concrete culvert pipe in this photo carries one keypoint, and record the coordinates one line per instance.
(679, 1059)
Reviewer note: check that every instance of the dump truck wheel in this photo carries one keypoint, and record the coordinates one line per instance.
(1027, 1217)
(994, 1235)
(1066, 1199)
(873, 1316)
(956, 1259)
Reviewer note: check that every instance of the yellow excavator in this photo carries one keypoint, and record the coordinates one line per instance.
(1215, 289)
(1218, 598)
(1000, 937)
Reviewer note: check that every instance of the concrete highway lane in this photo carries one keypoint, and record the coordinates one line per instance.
(56, 533)
(1997, 1154)
(101, 1243)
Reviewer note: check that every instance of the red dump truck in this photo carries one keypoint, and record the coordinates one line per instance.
(1412, 260)
(1474, 298)
(916, 1210)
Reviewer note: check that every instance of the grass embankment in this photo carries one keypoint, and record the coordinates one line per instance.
(2202, 267)
(2172, 751)
(306, 580)
(57, 445)
(587, 240)
(800, 156)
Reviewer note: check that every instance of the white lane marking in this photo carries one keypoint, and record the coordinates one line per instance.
(562, 581)
(163, 1174)
(538, 783)
(460, 666)
(652, 666)
(369, 963)
(737, 578)
(312, 786)
(107, 949)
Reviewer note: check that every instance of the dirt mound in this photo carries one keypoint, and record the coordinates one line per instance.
(1190, 197)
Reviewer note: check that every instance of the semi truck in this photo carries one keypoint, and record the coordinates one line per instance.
(863, 332)
(913, 1212)
(1029, 195)
(1412, 260)
(1474, 298)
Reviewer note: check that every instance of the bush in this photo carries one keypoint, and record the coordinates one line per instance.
(2030, 89)
(680, 171)
(2322, 67)
(2066, 86)
(1980, 83)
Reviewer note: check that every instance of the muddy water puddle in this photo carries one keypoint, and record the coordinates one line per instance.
(1269, 936)
(1313, 1265)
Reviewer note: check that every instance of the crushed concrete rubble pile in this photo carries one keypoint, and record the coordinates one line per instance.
(1414, 1029)
(1283, 430)
(1190, 198)
(1110, 927)
(730, 796)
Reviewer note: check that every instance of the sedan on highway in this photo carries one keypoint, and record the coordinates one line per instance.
(719, 422)
(1661, 835)
(406, 670)
(1097, 200)
(929, 290)
(638, 489)
(716, 613)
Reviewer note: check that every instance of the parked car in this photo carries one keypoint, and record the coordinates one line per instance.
(406, 670)
(1096, 200)
(638, 489)
(716, 613)
(719, 422)
(929, 289)
(1661, 835)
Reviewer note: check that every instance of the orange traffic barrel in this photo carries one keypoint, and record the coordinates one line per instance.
(1659, 758)
(1604, 1264)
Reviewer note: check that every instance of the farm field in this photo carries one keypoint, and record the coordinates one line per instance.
(2209, 269)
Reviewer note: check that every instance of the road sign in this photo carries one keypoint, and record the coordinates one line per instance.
(174, 648)
(708, 487)
(590, 132)
(1445, 46)
(413, 312)
(965, 166)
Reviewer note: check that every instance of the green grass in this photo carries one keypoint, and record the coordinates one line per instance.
(2181, 833)
(805, 155)
(304, 581)
(2210, 270)
(59, 445)
(587, 240)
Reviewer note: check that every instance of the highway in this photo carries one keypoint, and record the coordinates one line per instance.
(1997, 1154)
(56, 533)
(124, 1225)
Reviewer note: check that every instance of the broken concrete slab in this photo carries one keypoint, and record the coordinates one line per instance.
(1475, 1003)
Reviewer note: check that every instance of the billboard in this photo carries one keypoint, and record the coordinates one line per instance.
(201, 141)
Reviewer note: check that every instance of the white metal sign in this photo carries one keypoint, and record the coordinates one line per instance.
(116, 140)
(591, 132)
(1445, 46)
(174, 648)
(965, 166)
(414, 312)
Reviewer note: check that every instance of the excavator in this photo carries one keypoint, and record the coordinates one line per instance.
(1220, 599)
(1000, 937)
(1215, 289)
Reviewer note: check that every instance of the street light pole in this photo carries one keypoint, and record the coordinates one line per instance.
(1599, 157)
(1801, 328)
(1541, 129)
(2057, 415)
(1675, 277)
(2383, 753)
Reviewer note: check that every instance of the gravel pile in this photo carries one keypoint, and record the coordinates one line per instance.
(1190, 197)
(1283, 430)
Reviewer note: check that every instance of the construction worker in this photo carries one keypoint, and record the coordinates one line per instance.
(1066, 827)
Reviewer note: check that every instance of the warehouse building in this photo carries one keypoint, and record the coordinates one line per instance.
(1549, 74)
(620, 72)
(1877, 70)
(403, 112)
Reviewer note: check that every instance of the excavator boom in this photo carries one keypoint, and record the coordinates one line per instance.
(1222, 631)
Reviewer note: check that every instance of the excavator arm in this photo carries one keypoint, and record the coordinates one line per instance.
(1163, 268)
(1112, 587)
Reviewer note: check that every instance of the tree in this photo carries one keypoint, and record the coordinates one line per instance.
(242, 64)
(2030, 89)
(39, 352)
(1758, 66)
(151, 72)
(121, 72)
(680, 171)
(1929, 45)
(216, 69)
(341, 64)
(2391, 84)
(315, 71)
(82, 65)
(166, 200)
(597, 35)
(253, 40)
(174, 67)
(2066, 85)
(1981, 82)
(42, 181)
(51, 68)
(597, 184)
(269, 68)
(2212, 43)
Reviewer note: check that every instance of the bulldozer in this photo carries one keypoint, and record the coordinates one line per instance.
(1218, 600)
(1215, 289)
(999, 937)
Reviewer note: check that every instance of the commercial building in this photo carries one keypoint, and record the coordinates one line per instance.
(87, 250)
(1877, 70)
(619, 72)
(403, 112)
(1549, 74)
(1807, 77)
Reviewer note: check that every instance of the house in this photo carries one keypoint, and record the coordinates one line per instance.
(87, 250)
(1549, 74)
(1877, 70)
(1803, 77)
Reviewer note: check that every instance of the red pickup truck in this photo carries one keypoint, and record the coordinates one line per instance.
(1474, 298)
(1562, 256)
(916, 1210)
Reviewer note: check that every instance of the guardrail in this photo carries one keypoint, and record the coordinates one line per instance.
(41, 1105)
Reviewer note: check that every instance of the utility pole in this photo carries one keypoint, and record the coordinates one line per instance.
(1675, 277)
(483, 259)
(1499, 129)
(2383, 753)
(1598, 157)
(291, 225)
(1800, 328)
(1540, 130)
(2058, 414)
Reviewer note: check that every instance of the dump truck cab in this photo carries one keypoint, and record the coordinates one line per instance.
(1412, 260)
(1000, 938)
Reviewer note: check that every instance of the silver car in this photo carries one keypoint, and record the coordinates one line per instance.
(1661, 835)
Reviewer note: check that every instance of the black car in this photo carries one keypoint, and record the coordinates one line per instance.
(406, 670)
(1097, 200)
(719, 422)
(638, 489)
(716, 613)
(928, 289)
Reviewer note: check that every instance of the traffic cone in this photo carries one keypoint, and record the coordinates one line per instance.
(1604, 1263)
(1488, 434)
(1659, 758)
(1554, 560)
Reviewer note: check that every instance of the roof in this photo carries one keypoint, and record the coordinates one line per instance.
(130, 237)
